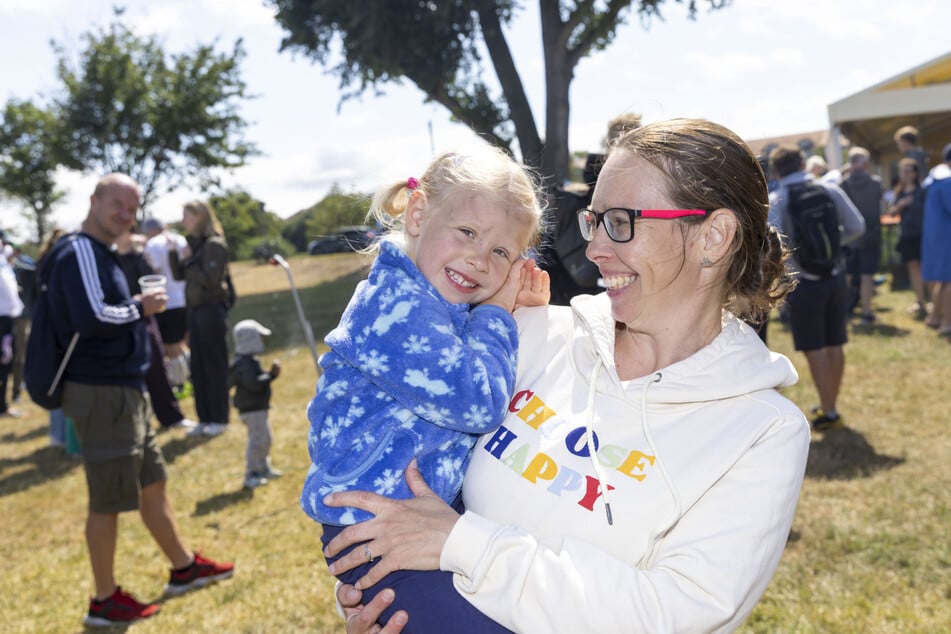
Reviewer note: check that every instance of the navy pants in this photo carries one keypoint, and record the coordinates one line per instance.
(428, 596)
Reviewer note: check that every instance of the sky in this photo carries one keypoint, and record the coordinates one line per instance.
(761, 67)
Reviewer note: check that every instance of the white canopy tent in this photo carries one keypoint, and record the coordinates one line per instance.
(920, 97)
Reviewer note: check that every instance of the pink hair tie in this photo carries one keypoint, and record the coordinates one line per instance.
(412, 183)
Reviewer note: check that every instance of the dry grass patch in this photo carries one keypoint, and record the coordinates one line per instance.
(869, 550)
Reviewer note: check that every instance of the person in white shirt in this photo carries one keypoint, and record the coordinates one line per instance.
(646, 476)
(172, 322)
(10, 308)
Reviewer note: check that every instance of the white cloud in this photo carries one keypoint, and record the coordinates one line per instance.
(10, 8)
(244, 13)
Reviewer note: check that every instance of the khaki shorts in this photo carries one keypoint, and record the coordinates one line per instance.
(120, 454)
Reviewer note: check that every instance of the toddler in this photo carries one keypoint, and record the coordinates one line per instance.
(252, 398)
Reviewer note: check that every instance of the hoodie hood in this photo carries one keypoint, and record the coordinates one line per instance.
(736, 362)
(247, 337)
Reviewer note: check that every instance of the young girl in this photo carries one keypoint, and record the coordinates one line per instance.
(910, 204)
(423, 359)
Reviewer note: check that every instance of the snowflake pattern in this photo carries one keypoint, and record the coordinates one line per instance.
(450, 358)
(375, 410)
(478, 417)
(374, 362)
(387, 482)
(416, 344)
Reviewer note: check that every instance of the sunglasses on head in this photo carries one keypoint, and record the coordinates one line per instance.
(619, 222)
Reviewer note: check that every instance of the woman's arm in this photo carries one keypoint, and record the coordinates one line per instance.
(704, 575)
(175, 265)
(208, 266)
(405, 534)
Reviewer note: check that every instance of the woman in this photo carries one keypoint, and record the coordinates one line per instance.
(204, 267)
(910, 204)
(647, 473)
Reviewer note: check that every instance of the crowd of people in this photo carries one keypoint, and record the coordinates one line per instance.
(460, 369)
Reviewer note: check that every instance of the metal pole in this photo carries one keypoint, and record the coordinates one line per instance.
(308, 333)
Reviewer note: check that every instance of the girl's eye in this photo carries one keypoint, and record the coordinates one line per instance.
(466, 231)
(502, 252)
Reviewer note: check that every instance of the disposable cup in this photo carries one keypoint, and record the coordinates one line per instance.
(152, 281)
(149, 282)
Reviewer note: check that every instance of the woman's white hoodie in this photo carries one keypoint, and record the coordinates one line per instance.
(702, 461)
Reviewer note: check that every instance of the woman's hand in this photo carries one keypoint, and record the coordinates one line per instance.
(362, 619)
(404, 535)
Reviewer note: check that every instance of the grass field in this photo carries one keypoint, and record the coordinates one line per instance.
(869, 551)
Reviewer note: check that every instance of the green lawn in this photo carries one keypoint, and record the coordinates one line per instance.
(869, 550)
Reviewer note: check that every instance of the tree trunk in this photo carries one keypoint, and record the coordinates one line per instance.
(558, 74)
(520, 111)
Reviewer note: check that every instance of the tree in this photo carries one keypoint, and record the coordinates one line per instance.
(28, 161)
(436, 45)
(165, 120)
(336, 209)
(245, 221)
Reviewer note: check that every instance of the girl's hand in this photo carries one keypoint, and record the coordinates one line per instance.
(362, 619)
(403, 535)
(506, 296)
(536, 287)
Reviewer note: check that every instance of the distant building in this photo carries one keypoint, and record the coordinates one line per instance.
(920, 97)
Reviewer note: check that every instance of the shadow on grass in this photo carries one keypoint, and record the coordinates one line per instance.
(218, 502)
(89, 629)
(844, 454)
(32, 434)
(177, 447)
(47, 463)
(878, 328)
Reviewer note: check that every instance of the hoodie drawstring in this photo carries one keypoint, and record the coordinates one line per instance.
(660, 465)
(589, 438)
(589, 441)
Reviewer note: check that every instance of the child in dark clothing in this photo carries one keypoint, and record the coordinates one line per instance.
(252, 398)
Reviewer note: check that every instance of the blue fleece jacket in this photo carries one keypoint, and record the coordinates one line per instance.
(89, 294)
(408, 374)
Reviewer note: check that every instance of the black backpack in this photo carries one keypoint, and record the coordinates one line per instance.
(46, 357)
(568, 244)
(814, 228)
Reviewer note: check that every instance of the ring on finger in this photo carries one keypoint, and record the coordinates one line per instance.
(367, 553)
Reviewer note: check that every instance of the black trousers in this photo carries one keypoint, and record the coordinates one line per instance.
(208, 332)
(164, 403)
(6, 328)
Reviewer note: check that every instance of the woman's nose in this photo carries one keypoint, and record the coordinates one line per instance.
(598, 247)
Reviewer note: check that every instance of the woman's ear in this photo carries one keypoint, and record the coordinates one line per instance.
(719, 232)
(415, 213)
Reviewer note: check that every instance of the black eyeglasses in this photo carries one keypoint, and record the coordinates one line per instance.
(619, 222)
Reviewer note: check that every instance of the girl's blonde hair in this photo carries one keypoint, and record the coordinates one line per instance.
(208, 224)
(487, 171)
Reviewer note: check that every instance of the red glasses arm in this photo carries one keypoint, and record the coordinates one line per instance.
(671, 213)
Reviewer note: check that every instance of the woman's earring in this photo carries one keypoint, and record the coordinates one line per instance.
(706, 263)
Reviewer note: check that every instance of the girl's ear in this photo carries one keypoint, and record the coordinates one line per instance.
(415, 213)
(719, 233)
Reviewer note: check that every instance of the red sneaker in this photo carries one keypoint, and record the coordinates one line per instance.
(200, 573)
(121, 607)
